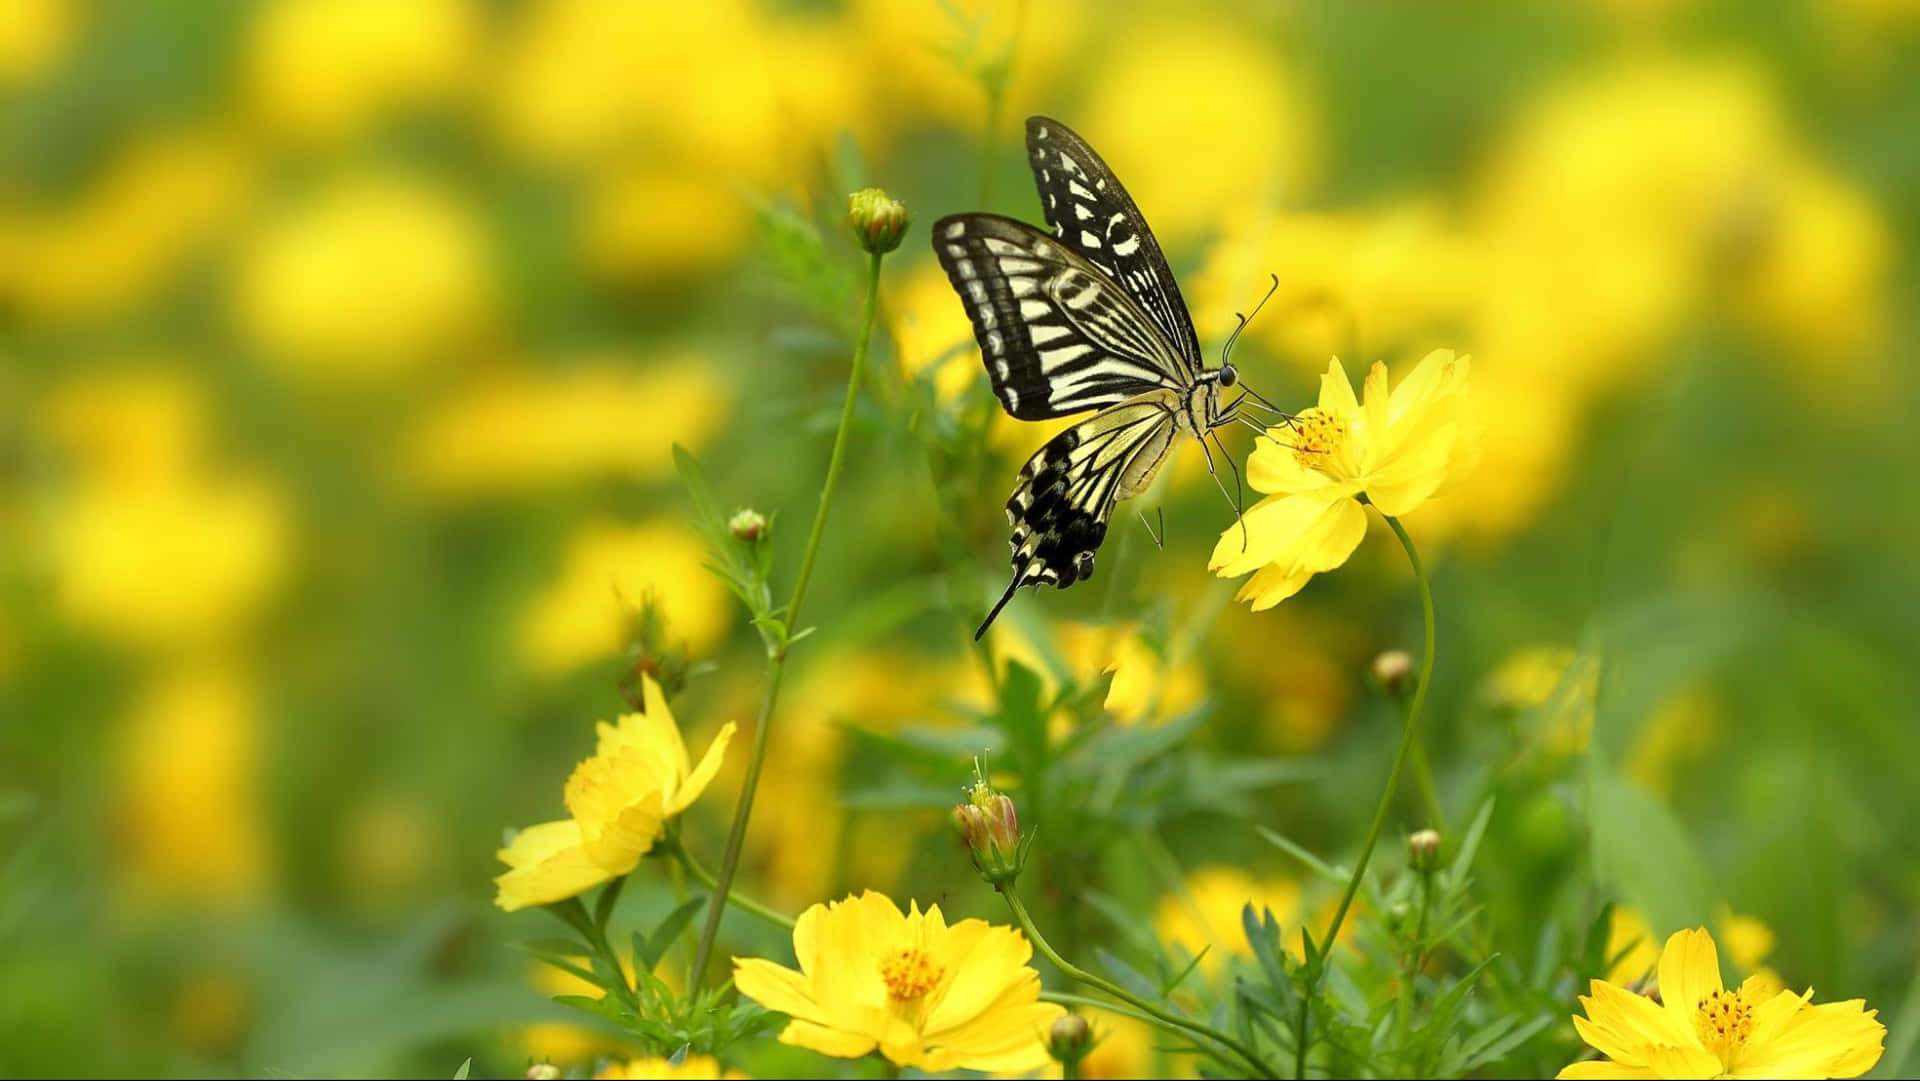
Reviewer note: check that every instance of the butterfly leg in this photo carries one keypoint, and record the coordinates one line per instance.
(1239, 512)
(1160, 536)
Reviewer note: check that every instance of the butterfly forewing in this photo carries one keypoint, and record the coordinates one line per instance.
(1092, 213)
(1066, 491)
(1057, 334)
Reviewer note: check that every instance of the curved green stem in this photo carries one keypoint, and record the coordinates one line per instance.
(745, 904)
(1148, 1011)
(1393, 783)
(776, 659)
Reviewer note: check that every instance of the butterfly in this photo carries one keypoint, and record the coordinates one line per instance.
(1086, 317)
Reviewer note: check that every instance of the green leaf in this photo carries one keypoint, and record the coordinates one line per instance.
(1313, 862)
(1125, 974)
(609, 896)
(1470, 844)
(461, 1073)
(649, 952)
(1642, 851)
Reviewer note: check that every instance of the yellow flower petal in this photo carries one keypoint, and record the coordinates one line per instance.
(1689, 972)
(1274, 469)
(1336, 391)
(616, 799)
(929, 996)
(1296, 533)
(776, 987)
(1601, 1068)
(827, 1041)
(1833, 1039)
(702, 775)
(547, 863)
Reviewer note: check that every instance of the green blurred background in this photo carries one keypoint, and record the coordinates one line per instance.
(342, 345)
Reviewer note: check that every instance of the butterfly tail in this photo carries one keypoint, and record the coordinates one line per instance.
(991, 616)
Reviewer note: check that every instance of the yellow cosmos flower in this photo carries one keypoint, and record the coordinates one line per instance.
(930, 996)
(693, 1068)
(1395, 448)
(620, 798)
(1698, 1028)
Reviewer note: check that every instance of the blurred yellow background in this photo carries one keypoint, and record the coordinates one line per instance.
(343, 342)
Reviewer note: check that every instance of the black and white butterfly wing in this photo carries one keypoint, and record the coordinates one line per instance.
(1066, 491)
(1091, 212)
(1058, 335)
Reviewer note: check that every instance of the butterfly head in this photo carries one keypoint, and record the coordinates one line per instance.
(1228, 375)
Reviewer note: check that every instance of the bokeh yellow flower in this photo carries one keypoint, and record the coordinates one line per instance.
(638, 778)
(151, 544)
(1206, 914)
(188, 821)
(1698, 1028)
(691, 1068)
(1221, 88)
(375, 275)
(518, 432)
(130, 230)
(321, 68)
(927, 995)
(605, 571)
(34, 36)
(1396, 447)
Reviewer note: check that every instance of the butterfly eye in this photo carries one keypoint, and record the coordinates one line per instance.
(1228, 376)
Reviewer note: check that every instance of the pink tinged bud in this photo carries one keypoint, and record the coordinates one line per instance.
(990, 825)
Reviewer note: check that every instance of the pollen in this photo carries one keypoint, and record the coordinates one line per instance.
(1317, 436)
(1723, 1021)
(909, 973)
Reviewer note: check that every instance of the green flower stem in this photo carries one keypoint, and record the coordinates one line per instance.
(1423, 779)
(1149, 1012)
(776, 659)
(1407, 738)
(694, 867)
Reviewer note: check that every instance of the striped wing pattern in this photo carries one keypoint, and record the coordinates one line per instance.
(1093, 214)
(1058, 335)
(1067, 490)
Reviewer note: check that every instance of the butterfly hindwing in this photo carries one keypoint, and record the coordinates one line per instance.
(1066, 491)
(1057, 334)
(1093, 214)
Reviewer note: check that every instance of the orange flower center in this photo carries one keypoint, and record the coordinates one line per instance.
(1723, 1021)
(1316, 437)
(909, 973)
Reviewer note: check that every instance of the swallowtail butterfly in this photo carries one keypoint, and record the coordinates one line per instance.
(1087, 317)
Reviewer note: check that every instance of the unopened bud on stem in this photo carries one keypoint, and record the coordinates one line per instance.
(1423, 851)
(991, 827)
(878, 220)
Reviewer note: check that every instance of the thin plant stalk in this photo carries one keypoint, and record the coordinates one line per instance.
(1407, 737)
(776, 658)
(1148, 1011)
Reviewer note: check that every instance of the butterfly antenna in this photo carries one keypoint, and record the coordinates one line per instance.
(1273, 283)
(991, 616)
(1157, 537)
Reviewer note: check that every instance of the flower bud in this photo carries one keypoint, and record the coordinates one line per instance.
(1069, 1038)
(543, 1071)
(748, 524)
(991, 827)
(1423, 851)
(1394, 670)
(878, 221)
